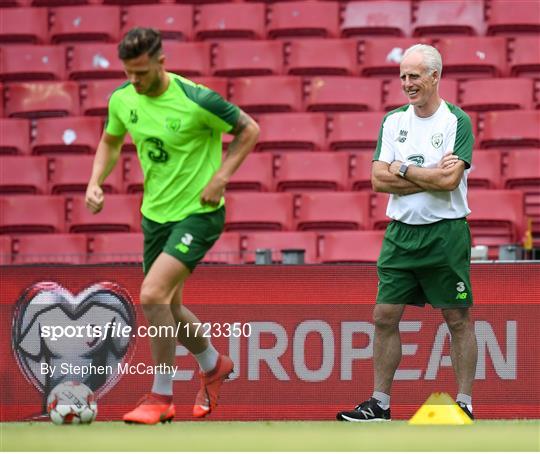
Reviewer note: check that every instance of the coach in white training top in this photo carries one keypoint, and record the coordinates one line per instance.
(422, 159)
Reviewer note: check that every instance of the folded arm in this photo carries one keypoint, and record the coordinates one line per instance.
(445, 177)
(383, 180)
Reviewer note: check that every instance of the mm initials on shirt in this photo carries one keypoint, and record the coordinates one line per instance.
(402, 136)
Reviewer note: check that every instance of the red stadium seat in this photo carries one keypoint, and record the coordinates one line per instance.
(336, 57)
(485, 170)
(510, 17)
(472, 57)
(385, 17)
(327, 211)
(133, 175)
(244, 211)
(24, 25)
(525, 57)
(449, 17)
(496, 216)
(121, 213)
(307, 171)
(304, 18)
(226, 250)
(15, 133)
(255, 174)
(496, 94)
(47, 248)
(95, 61)
(96, 94)
(294, 131)
(226, 20)
(354, 131)
(267, 94)
(116, 248)
(23, 175)
(54, 3)
(511, 129)
(187, 59)
(379, 203)
(474, 123)
(278, 241)
(361, 171)
(67, 135)
(394, 97)
(200, 2)
(173, 21)
(340, 247)
(343, 94)
(87, 23)
(31, 62)
(218, 84)
(128, 146)
(248, 58)
(42, 99)
(70, 175)
(522, 171)
(12, 3)
(6, 251)
(381, 57)
(32, 214)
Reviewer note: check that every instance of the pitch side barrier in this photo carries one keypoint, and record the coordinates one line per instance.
(301, 338)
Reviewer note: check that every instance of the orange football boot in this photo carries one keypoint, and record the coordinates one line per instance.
(211, 382)
(151, 409)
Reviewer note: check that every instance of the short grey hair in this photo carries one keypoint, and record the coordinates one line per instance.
(432, 57)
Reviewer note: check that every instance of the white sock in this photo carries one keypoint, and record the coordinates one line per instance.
(384, 399)
(162, 384)
(208, 359)
(466, 399)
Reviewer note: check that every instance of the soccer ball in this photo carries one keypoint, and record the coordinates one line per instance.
(71, 402)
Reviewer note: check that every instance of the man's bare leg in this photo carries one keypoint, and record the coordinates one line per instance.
(463, 352)
(183, 316)
(156, 295)
(386, 345)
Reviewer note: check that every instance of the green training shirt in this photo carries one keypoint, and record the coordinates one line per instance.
(178, 140)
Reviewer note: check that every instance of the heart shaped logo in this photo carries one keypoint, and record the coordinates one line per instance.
(58, 336)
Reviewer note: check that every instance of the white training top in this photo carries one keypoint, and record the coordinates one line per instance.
(423, 142)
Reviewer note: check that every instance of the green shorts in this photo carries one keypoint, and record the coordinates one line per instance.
(422, 264)
(187, 240)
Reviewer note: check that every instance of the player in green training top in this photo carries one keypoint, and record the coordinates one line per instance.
(176, 126)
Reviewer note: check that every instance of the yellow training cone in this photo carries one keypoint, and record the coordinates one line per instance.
(440, 409)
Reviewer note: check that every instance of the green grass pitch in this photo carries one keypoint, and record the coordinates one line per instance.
(523, 435)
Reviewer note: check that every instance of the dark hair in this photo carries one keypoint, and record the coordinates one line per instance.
(139, 41)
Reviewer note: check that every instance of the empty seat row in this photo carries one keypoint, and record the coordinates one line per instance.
(74, 248)
(380, 57)
(281, 20)
(352, 131)
(260, 172)
(231, 247)
(269, 94)
(497, 215)
(56, 214)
